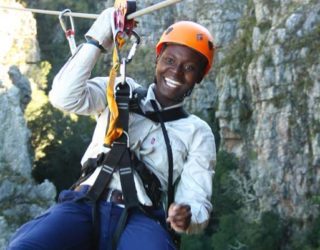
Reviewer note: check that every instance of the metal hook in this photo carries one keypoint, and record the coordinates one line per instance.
(125, 60)
(64, 27)
(133, 49)
(68, 32)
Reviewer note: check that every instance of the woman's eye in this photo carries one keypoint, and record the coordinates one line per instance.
(189, 68)
(169, 60)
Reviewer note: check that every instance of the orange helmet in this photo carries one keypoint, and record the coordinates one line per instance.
(192, 35)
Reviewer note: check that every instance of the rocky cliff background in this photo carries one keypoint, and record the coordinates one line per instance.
(21, 198)
(262, 99)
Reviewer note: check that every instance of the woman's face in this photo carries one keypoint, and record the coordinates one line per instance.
(178, 69)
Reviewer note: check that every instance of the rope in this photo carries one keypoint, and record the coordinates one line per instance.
(113, 131)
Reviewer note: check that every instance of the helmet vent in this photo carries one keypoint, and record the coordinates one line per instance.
(169, 30)
(199, 37)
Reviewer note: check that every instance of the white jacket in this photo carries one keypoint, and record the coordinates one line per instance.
(191, 138)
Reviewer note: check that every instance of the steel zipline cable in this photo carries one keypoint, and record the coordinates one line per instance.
(138, 13)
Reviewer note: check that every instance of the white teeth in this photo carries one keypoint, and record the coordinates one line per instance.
(171, 83)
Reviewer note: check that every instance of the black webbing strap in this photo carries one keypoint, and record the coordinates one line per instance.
(167, 115)
(175, 237)
(118, 158)
(169, 153)
(129, 195)
(109, 165)
(124, 165)
(129, 191)
(107, 169)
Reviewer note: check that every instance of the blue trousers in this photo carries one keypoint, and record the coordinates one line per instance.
(68, 225)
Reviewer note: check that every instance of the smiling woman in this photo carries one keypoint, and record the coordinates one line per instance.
(162, 144)
(184, 56)
(178, 69)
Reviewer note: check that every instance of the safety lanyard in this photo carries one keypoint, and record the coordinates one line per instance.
(113, 130)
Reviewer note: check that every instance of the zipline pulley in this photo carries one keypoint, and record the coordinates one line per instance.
(124, 27)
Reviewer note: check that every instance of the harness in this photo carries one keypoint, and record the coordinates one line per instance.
(121, 159)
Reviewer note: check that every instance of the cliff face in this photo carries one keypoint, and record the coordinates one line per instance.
(264, 93)
(20, 197)
(267, 81)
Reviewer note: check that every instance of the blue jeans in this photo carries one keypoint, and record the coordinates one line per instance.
(68, 225)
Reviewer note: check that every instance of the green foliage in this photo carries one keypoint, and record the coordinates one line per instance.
(239, 53)
(268, 233)
(226, 234)
(236, 233)
(313, 236)
(58, 140)
(53, 44)
(225, 202)
(228, 228)
(39, 74)
(64, 139)
(195, 242)
(224, 196)
(309, 240)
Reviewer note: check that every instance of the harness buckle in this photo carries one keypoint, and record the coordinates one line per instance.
(127, 143)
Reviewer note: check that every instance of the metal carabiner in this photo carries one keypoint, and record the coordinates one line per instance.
(134, 47)
(122, 83)
(125, 60)
(123, 70)
(132, 51)
(70, 33)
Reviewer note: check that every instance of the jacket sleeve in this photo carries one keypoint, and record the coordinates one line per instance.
(195, 185)
(72, 90)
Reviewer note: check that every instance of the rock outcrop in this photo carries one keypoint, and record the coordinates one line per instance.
(264, 94)
(20, 197)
